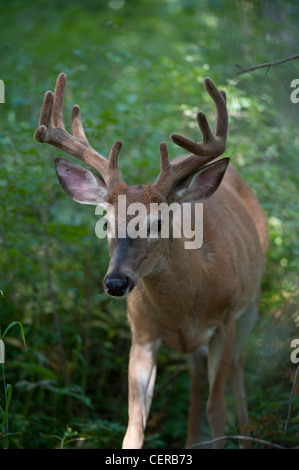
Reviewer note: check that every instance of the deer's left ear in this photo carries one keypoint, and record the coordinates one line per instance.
(204, 183)
(80, 184)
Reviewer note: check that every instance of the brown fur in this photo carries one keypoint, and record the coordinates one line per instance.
(201, 302)
(187, 298)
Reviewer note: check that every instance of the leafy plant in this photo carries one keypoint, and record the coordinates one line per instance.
(7, 391)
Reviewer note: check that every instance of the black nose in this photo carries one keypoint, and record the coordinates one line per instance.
(117, 285)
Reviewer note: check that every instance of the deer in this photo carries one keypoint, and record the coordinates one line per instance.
(201, 302)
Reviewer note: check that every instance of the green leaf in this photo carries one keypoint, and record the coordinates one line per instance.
(8, 393)
(40, 370)
(21, 328)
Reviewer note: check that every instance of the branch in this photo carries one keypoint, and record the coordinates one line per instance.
(267, 64)
(243, 438)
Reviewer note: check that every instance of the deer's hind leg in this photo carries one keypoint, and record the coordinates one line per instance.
(197, 363)
(244, 325)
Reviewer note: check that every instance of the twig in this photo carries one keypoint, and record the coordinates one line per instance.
(290, 400)
(243, 438)
(267, 64)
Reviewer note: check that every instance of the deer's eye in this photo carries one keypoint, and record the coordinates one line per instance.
(155, 228)
(158, 225)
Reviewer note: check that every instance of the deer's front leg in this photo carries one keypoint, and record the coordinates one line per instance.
(142, 374)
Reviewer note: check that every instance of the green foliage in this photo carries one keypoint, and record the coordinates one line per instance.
(6, 436)
(136, 68)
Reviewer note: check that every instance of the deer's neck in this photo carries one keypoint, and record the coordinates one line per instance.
(174, 279)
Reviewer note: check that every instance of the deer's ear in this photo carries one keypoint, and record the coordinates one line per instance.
(79, 183)
(204, 183)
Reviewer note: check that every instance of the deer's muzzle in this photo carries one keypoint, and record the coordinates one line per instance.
(118, 285)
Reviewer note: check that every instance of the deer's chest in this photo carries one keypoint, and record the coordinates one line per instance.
(184, 334)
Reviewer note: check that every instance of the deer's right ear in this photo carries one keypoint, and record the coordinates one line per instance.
(79, 183)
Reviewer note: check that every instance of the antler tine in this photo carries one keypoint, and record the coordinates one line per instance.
(113, 156)
(166, 177)
(51, 130)
(164, 158)
(212, 146)
(114, 172)
(221, 121)
(57, 113)
(46, 111)
(77, 126)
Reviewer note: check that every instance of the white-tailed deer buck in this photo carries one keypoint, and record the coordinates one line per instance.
(201, 302)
